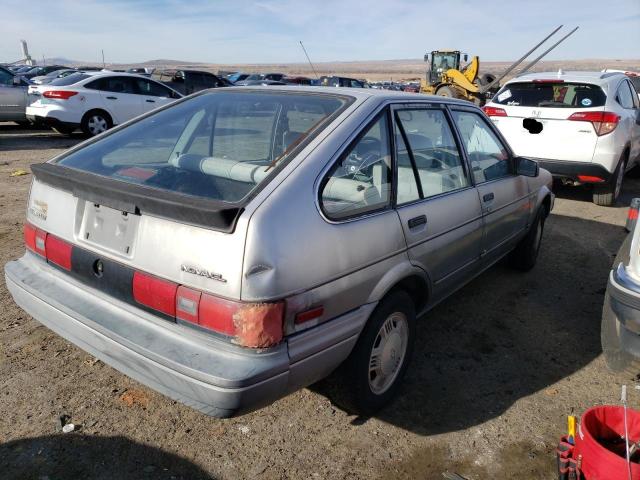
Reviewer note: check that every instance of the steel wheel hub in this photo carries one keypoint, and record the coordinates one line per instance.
(97, 124)
(388, 352)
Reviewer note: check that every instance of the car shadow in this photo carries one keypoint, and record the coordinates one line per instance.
(15, 137)
(584, 193)
(74, 455)
(507, 334)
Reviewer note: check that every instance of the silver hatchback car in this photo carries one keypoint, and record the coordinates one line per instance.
(243, 243)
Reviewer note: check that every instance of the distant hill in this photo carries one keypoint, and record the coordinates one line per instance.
(373, 70)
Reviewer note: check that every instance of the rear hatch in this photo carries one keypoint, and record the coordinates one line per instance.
(36, 96)
(152, 213)
(541, 118)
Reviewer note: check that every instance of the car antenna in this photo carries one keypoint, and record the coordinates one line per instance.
(308, 59)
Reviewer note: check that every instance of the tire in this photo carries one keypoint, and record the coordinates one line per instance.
(63, 130)
(95, 122)
(361, 389)
(607, 194)
(447, 91)
(525, 255)
(485, 79)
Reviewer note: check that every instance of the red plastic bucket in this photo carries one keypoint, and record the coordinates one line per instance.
(602, 426)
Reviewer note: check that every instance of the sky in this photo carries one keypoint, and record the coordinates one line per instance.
(268, 31)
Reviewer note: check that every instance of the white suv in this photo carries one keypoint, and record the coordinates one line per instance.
(95, 102)
(584, 127)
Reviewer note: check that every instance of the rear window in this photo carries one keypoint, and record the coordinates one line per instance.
(220, 146)
(551, 94)
(69, 79)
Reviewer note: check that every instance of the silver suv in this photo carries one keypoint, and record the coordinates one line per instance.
(244, 243)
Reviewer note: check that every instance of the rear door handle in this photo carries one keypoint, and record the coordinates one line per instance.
(417, 221)
(112, 98)
(487, 197)
(150, 101)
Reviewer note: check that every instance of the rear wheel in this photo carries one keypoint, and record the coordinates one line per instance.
(607, 194)
(525, 255)
(371, 376)
(95, 122)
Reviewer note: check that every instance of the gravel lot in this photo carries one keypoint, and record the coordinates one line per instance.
(497, 368)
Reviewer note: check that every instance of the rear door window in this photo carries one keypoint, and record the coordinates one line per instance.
(438, 163)
(218, 146)
(549, 93)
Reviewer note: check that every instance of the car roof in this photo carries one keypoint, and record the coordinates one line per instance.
(597, 78)
(360, 94)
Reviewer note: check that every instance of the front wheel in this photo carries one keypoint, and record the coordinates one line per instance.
(371, 375)
(446, 91)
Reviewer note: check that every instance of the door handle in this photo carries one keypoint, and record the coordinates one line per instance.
(417, 221)
(150, 101)
(487, 197)
(112, 98)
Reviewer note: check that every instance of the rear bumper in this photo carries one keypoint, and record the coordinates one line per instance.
(203, 372)
(624, 295)
(571, 170)
(51, 121)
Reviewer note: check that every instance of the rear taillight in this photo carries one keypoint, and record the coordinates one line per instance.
(632, 214)
(58, 251)
(603, 122)
(155, 293)
(54, 249)
(59, 94)
(30, 236)
(255, 325)
(494, 111)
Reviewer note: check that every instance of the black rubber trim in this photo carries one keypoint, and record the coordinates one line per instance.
(139, 199)
(113, 278)
(559, 168)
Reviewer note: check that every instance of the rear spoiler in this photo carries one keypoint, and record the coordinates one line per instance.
(139, 199)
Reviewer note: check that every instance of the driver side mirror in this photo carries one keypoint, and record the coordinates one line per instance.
(527, 167)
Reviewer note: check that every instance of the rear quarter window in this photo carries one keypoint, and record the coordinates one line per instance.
(551, 94)
(69, 79)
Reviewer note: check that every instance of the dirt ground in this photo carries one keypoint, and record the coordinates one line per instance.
(496, 369)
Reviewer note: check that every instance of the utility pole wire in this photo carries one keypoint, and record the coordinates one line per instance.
(308, 59)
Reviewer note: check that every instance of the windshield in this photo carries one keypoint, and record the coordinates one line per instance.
(444, 61)
(551, 94)
(219, 146)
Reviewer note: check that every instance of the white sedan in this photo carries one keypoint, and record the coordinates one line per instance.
(95, 102)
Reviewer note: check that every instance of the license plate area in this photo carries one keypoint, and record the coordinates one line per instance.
(108, 228)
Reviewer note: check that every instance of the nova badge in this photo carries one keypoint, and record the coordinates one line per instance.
(203, 273)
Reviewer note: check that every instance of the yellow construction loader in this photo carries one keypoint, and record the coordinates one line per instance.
(448, 78)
